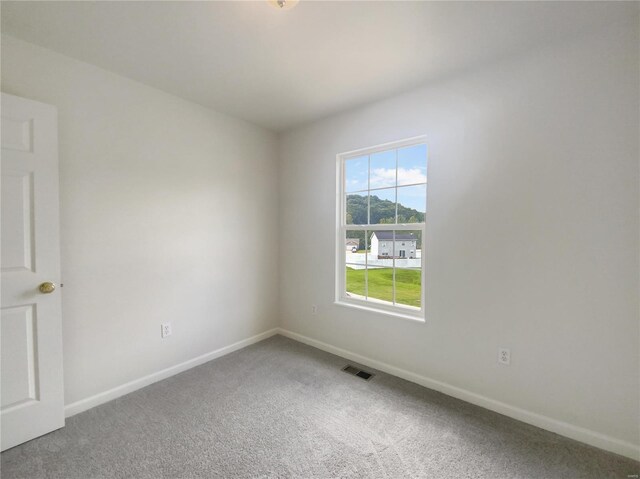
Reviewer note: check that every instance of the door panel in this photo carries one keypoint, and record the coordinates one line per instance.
(17, 238)
(32, 395)
(19, 375)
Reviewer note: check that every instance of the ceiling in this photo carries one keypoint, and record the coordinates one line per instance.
(279, 69)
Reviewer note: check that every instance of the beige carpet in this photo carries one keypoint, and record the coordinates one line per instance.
(283, 409)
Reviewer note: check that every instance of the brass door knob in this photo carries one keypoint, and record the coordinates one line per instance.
(47, 287)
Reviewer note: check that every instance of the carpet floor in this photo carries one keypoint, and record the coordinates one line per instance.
(282, 409)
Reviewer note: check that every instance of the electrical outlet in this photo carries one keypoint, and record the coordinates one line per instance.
(165, 330)
(314, 309)
(504, 356)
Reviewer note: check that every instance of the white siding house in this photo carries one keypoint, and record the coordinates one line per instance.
(382, 245)
(352, 243)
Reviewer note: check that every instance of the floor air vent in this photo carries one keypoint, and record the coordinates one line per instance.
(357, 372)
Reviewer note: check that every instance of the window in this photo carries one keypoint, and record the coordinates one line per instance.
(382, 201)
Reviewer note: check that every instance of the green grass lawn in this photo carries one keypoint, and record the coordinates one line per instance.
(381, 284)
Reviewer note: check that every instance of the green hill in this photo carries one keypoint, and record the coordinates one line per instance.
(382, 212)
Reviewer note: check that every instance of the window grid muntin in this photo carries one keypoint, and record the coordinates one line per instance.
(383, 188)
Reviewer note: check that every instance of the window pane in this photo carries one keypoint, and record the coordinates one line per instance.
(357, 209)
(383, 206)
(380, 266)
(355, 244)
(383, 169)
(380, 282)
(408, 254)
(412, 204)
(356, 174)
(355, 281)
(408, 285)
(412, 165)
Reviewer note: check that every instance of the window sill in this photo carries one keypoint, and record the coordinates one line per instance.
(416, 318)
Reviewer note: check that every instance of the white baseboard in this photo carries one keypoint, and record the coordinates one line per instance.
(103, 397)
(578, 433)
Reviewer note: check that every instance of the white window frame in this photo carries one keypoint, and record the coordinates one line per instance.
(371, 304)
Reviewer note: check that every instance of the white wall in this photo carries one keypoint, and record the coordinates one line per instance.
(156, 194)
(532, 233)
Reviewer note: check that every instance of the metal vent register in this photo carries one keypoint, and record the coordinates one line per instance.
(357, 372)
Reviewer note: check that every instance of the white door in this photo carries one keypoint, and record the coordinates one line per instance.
(31, 394)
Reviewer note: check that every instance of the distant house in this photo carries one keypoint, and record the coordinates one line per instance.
(382, 245)
(352, 244)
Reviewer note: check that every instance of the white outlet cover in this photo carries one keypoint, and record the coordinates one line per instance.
(504, 356)
(165, 330)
